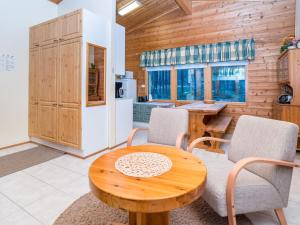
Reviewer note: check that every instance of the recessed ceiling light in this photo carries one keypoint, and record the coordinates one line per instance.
(129, 7)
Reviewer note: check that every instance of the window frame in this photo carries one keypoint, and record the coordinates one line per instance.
(207, 80)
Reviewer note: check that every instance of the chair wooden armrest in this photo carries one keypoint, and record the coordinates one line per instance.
(202, 139)
(180, 140)
(132, 134)
(233, 176)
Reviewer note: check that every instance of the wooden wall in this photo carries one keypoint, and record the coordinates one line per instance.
(268, 22)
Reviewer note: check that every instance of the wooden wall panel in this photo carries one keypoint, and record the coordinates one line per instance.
(268, 22)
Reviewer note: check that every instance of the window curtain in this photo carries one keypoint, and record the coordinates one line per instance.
(209, 53)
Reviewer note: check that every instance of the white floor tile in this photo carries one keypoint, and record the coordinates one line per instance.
(24, 189)
(292, 212)
(261, 219)
(56, 176)
(72, 163)
(17, 149)
(7, 207)
(48, 208)
(77, 188)
(20, 218)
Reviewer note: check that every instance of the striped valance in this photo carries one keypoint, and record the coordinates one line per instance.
(207, 53)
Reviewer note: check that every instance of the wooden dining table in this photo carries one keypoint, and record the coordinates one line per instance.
(148, 200)
(199, 115)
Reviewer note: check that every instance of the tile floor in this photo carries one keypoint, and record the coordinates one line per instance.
(38, 195)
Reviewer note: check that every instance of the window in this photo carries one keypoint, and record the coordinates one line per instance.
(229, 83)
(190, 84)
(159, 84)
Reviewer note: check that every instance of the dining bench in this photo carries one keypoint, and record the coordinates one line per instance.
(217, 127)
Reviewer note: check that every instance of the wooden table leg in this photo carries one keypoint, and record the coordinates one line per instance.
(149, 218)
(196, 127)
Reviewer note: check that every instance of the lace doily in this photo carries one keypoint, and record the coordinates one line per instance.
(143, 164)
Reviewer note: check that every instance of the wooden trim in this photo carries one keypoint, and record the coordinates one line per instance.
(115, 146)
(15, 145)
(202, 139)
(207, 83)
(233, 176)
(146, 83)
(88, 156)
(185, 5)
(173, 84)
(102, 102)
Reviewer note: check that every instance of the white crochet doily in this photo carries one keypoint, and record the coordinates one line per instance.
(143, 164)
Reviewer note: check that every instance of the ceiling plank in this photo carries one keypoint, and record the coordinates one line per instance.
(56, 1)
(185, 5)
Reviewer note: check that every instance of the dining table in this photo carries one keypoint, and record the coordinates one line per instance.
(200, 114)
(147, 181)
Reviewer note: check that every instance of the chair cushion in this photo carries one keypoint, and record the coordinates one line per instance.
(252, 193)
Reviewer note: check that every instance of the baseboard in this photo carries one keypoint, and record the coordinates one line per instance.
(15, 145)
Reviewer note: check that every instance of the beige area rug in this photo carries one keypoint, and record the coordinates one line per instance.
(88, 210)
(21, 160)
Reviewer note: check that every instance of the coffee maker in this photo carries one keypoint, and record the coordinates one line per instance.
(119, 90)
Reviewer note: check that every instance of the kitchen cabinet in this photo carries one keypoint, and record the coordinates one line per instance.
(124, 119)
(57, 80)
(288, 72)
(119, 49)
(33, 92)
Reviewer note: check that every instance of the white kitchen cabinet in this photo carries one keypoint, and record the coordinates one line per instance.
(119, 49)
(124, 119)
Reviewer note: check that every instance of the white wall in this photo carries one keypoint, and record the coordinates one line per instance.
(105, 8)
(297, 32)
(16, 16)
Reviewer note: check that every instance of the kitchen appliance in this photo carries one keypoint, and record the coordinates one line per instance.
(285, 99)
(129, 75)
(119, 90)
(128, 88)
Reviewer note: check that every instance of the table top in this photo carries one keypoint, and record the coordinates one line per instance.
(205, 108)
(179, 186)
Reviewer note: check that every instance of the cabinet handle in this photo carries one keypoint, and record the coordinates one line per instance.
(54, 104)
(55, 40)
(60, 105)
(61, 39)
(36, 45)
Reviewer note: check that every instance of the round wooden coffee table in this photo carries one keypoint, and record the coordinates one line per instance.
(148, 200)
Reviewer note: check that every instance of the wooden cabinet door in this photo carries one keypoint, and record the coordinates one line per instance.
(33, 128)
(72, 25)
(70, 71)
(48, 121)
(69, 126)
(51, 31)
(34, 57)
(48, 74)
(35, 36)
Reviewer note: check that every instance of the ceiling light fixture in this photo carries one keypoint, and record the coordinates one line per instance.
(129, 7)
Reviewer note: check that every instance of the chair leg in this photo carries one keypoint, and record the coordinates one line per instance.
(232, 220)
(280, 216)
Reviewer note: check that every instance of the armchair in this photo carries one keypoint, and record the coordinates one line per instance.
(167, 126)
(256, 174)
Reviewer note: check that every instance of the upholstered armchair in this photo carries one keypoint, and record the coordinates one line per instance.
(256, 174)
(167, 126)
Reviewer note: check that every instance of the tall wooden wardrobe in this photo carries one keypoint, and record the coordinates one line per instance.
(55, 80)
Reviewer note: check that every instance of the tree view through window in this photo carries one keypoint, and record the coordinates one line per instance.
(228, 83)
(190, 84)
(159, 84)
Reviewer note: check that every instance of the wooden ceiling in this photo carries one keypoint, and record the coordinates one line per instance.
(150, 11)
